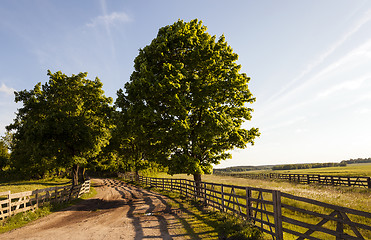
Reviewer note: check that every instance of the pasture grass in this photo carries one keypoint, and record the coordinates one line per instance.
(30, 185)
(350, 170)
(357, 170)
(350, 197)
(21, 219)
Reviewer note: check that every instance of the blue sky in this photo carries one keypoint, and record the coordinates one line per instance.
(309, 62)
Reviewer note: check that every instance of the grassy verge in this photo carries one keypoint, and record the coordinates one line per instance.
(350, 197)
(354, 198)
(21, 219)
(199, 222)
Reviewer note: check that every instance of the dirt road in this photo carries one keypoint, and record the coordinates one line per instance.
(118, 211)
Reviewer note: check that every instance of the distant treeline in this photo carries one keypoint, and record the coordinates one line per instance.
(307, 165)
(243, 168)
(358, 160)
(292, 166)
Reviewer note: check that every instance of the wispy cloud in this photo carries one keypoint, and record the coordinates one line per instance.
(111, 19)
(7, 90)
(321, 58)
(348, 85)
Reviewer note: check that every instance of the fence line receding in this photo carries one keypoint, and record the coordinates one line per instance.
(276, 213)
(349, 181)
(13, 203)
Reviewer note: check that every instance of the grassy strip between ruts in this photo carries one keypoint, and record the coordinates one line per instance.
(24, 218)
(202, 223)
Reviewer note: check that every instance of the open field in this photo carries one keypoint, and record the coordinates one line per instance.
(340, 196)
(358, 169)
(22, 186)
(355, 198)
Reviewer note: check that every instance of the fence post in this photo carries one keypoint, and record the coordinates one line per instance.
(37, 198)
(180, 187)
(248, 203)
(186, 188)
(163, 184)
(55, 194)
(369, 182)
(277, 211)
(222, 195)
(339, 226)
(9, 203)
(205, 198)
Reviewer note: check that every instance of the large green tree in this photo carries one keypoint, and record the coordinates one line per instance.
(188, 99)
(4, 154)
(63, 123)
(131, 136)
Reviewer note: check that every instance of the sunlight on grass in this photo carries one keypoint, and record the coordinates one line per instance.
(22, 186)
(359, 170)
(202, 223)
(350, 197)
(24, 218)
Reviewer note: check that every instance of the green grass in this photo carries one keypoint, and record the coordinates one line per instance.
(201, 223)
(21, 219)
(22, 186)
(350, 197)
(24, 218)
(358, 170)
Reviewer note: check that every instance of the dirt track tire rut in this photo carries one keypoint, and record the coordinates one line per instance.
(118, 211)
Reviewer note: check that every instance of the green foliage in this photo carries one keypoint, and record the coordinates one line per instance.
(307, 166)
(4, 154)
(358, 160)
(63, 123)
(128, 139)
(242, 168)
(22, 219)
(185, 102)
(235, 228)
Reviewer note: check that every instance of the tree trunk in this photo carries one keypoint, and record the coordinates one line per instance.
(75, 174)
(82, 177)
(136, 175)
(197, 178)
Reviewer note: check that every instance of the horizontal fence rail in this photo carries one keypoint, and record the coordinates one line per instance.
(307, 178)
(13, 203)
(281, 215)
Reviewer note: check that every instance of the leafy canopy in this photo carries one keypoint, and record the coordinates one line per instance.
(189, 98)
(62, 123)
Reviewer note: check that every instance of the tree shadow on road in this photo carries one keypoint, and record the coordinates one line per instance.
(192, 222)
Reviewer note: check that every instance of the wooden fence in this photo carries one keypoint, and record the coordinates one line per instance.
(13, 203)
(281, 215)
(308, 178)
